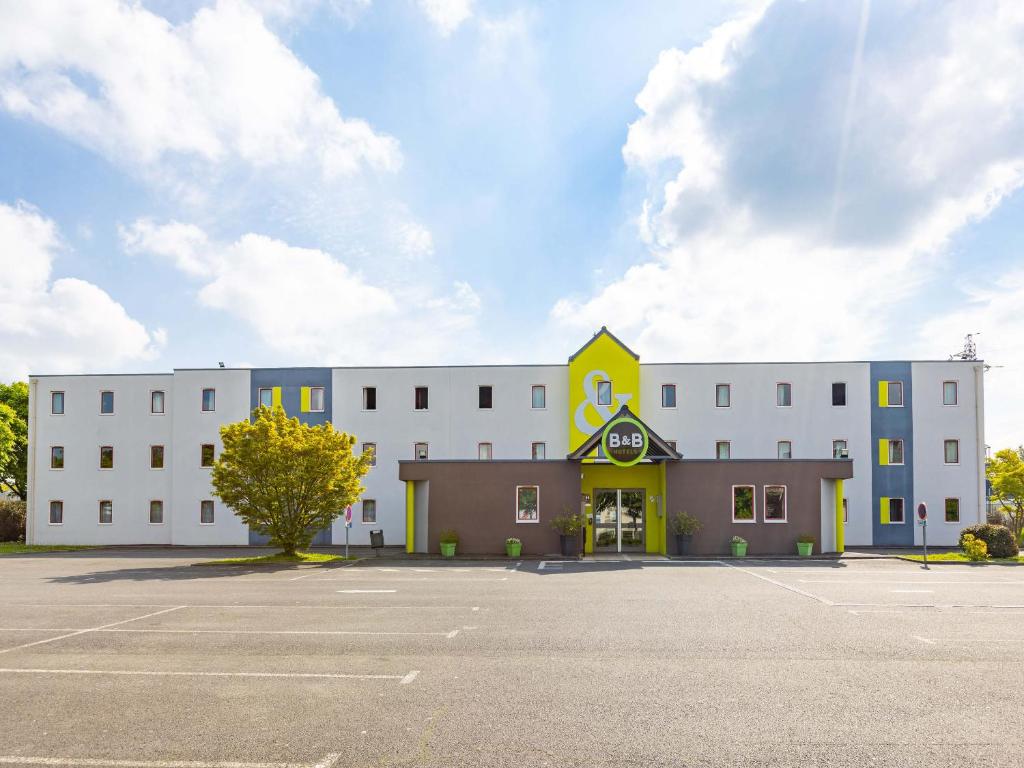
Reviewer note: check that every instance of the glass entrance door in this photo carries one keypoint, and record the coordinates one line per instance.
(619, 520)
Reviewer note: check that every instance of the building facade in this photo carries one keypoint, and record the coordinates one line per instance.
(123, 459)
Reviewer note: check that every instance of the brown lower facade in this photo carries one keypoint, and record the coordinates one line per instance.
(769, 503)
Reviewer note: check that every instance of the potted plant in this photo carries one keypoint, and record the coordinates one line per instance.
(568, 526)
(684, 525)
(805, 545)
(449, 540)
(739, 546)
(513, 546)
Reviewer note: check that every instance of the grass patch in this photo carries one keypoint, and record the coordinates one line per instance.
(17, 548)
(281, 558)
(960, 557)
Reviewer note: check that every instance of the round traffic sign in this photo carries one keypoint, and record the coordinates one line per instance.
(922, 511)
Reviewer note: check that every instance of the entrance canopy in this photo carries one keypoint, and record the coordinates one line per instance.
(626, 440)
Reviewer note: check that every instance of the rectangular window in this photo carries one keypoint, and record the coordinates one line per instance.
(538, 451)
(846, 510)
(775, 503)
(895, 510)
(206, 455)
(369, 398)
(156, 401)
(106, 457)
(895, 394)
(952, 509)
(785, 449)
(106, 512)
(839, 449)
(783, 394)
(420, 451)
(421, 401)
(485, 396)
(369, 511)
(668, 395)
(950, 393)
(206, 512)
(106, 402)
(209, 399)
(266, 397)
(538, 396)
(57, 403)
(895, 451)
(156, 512)
(56, 457)
(723, 395)
(952, 451)
(527, 503)
(604, 393)
(316, 399)
(371, 448)
(839, 393)
(743, 503)
(483, 451)
(156, 457)
(723, 450)
(56, 513)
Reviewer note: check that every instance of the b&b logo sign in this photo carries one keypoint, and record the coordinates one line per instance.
(624, 442)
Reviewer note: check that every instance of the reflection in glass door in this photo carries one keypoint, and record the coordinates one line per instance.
(619, 520)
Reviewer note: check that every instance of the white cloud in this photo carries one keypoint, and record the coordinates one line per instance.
(306, 305)
(738, 143)
(446, 15)
(218, 89)
(61, 326)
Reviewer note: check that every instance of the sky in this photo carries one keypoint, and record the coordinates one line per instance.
(359, 182)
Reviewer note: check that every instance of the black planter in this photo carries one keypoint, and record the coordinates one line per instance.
(683, 542)
(570, 544)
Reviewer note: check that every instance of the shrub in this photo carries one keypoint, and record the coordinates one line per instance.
(513, 540)
(997, 538)
(12, 520)
(738, 540)
(975, 549)
(685, 524)
(805, 538)
(567, 523)
(449, 536)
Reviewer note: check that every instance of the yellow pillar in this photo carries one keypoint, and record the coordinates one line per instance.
(840, 529)
(410, 516)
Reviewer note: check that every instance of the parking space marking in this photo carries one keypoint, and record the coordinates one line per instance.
(924, 640)
(901, 581)
(777, 583)
(365, 591)
(404, 679)
(158, 631)
(913, 591)
(91, 629)
(92, 762)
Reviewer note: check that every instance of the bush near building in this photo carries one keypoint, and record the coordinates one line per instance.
(12, 520)
(998, 538)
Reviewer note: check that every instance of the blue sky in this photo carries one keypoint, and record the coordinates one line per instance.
(435, 181)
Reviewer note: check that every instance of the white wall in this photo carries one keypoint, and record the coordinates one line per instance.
(130, 485)
(192, 428)
(934, 423)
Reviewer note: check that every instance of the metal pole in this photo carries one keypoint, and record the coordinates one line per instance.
(346, 541)
(924, 540)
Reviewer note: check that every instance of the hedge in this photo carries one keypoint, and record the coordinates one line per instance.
(12, 520)
(999, 539)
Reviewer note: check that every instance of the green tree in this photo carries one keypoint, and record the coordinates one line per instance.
(286, 479)
(1005, 473)
(14, 418)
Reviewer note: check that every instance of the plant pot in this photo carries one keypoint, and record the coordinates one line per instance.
(805, 549)
(570, 544)
(683, 542)
(513, 550)
(447, 550)
(738, 550)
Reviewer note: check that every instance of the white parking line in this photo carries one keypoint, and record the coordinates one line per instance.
(405, 679)
(789, 587)
(365, 591)
(409, 677)
(449, 634)
(913, 591)
(924, 640)
(91, 629)
(903, 581)
(92, 762)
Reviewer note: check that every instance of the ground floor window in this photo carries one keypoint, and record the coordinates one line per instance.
(206, 512)
(743, 503)
(156, 512)
(895, 508)
(56, 513)
(538, 451)
(952, 510)
(527, 503)
(106, 512)
(775, 503)
(369, 511)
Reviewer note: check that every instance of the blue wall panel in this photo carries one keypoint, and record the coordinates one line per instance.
(893, 481)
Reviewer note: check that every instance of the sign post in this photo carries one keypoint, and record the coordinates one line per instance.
(348, 525)
(922, 519)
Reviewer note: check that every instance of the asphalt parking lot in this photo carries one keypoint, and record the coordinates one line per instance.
(136, 658)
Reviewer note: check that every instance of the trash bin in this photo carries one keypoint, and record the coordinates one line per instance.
(377, 541)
